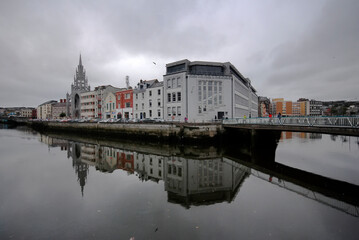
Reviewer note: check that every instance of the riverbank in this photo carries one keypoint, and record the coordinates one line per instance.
(184, 133)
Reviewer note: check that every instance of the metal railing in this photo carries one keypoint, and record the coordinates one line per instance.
(324, 121)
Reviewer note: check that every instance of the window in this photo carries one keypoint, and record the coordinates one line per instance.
(159, 173)
(150, 113)
(210, 92)
(179, 96)
(143, 95)
(143, 106)
(159, 102)
(169, 169)
(136, 107)
(127, 96)
(179, 111)
(173, 111)
(159, 91)
(150, 103)
(174, 84)
(158, 113)
(128, 104)
(169, 111)
(173, 97)
(204, 99)
(168, 83)
(136, 96)
(169, 97)
(150, 93)
(179, 82)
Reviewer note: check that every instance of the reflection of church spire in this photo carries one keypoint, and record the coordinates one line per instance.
(81, 169)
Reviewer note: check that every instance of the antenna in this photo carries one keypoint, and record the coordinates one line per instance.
(127, 82)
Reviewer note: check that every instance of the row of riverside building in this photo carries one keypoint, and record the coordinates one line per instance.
(302, 107)
(193, 91)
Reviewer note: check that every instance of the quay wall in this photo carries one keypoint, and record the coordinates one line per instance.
(166, 132)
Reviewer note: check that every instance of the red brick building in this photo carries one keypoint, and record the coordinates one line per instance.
(124, 104)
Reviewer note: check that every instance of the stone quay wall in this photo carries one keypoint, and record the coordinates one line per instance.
(163, 132)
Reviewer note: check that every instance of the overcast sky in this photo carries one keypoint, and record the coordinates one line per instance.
(288, 49)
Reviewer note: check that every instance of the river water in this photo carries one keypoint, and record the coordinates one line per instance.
(69, 187)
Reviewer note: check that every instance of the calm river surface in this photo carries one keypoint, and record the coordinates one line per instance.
(55, 187)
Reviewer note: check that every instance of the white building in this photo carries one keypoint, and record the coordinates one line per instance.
(148, 99)
(109, 106)
(202, 91)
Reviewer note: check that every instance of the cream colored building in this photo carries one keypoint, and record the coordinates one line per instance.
(88, 104)
(44, 111)
(109, 105)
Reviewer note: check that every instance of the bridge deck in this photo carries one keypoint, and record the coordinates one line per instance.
(329, 125)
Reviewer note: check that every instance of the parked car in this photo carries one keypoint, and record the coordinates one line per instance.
(158, 120)
(148, 120)
(134, 120)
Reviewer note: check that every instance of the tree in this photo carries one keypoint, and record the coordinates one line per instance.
(62, 114)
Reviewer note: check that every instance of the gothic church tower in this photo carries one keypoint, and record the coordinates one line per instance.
(80, 85)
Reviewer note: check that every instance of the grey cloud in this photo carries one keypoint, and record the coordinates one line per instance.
(325, 59)
(273, 44)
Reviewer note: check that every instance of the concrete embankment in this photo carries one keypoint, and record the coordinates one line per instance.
(166, 132)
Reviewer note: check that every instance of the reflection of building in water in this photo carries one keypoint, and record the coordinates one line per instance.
(196, 182)
(302, 135)
(187, 181)
(110, 159)
(149, 166)
(53, 142)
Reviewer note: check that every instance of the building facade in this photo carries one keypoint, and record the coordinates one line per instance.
(44, 110)
(26, 112)
(100, 105)
(58, 109)
(88, 104)
(124, 103)
(109, 104)
(203, 91)
(148, 99)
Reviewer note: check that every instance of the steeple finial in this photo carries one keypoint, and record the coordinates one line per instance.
(80, 63)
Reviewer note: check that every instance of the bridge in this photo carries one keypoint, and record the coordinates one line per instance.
(322, 124)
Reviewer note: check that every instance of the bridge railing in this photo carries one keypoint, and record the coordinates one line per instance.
(351, 122)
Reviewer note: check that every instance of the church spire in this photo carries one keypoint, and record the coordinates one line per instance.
(80, 62)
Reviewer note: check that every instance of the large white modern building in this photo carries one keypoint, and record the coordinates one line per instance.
(203, 91)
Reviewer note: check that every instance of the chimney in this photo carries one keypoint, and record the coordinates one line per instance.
(60, 100)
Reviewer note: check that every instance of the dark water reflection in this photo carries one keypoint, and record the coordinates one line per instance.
(65, 187)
